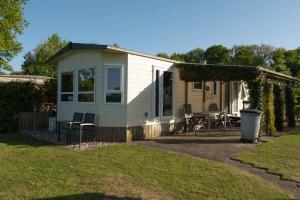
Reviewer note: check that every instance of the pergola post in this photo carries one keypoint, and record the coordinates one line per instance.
(279, 107)
(221, 96)
(269, 108)
(290, 105)
(204, 95)
(186, 92)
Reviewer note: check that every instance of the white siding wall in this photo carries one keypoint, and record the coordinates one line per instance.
(140, 86)
(106, 114)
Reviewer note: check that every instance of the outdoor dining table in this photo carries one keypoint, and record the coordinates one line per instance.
(209, 115)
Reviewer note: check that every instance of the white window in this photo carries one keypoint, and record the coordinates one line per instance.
(214, 87)
(86, 85)
(197, 85)
(66, 90)
(113, 84)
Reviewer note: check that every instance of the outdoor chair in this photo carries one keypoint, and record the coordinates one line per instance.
(225, 120)
(86, 127)
(191, 123)
(172, 127)
(70, 125)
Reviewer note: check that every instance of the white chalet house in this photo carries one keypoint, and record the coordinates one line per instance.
(132, 91)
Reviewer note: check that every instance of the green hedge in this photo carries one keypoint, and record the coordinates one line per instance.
(290, 105)
(16, 97)
(279, 106)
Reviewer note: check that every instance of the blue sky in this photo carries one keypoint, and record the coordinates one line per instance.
(154, 26)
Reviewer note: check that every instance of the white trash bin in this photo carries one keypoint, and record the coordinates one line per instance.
(250, 125)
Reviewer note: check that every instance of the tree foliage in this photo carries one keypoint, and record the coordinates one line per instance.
(217, 54)
(35, 61)
(12, 24)
(280, 61)
(194, 56)
(163, 55)
(247, 55)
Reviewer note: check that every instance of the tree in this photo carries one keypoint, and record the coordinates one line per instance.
(12, 24)
(280, 62)
(177, 56)
(194, 56)
(115, 45)
(35, 61)
(247, 55)
(162, 55)
(265, 53)
(217, 54)
(292, 58)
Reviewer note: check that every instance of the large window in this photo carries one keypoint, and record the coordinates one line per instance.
(86, 85)
(66, 91)
(113, 90)
(167, 94)
(197, 86)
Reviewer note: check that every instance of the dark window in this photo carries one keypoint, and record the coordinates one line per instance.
(156, 93)
(66, 86)
(167, 94)
(113, 79)
(197, 85)
(113, 93)
(86, 85)
(113, 97)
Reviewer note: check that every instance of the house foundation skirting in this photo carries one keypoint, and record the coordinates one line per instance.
(132, 133)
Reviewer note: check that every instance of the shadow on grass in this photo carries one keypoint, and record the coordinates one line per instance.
(88, 196)
(22, 140)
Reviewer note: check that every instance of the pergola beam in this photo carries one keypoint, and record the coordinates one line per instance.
(190, 72)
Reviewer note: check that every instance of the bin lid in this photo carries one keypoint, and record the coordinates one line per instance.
(254, 111)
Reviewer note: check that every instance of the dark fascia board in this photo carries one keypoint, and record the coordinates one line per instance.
(74, 47)
(95, 47)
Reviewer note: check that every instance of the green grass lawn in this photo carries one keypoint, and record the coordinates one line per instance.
(280, 156)
(30, 169)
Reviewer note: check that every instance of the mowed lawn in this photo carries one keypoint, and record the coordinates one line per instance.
(280, 156)
(31, 169)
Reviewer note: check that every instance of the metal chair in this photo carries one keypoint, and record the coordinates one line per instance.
(70, 125)
(87, 126)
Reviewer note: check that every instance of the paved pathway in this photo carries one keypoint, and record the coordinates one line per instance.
(218, 148)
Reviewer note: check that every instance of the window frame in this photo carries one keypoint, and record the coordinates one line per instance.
(60, 87)
(88, 92)
(161, 117)
(197, 89)
(121, 91)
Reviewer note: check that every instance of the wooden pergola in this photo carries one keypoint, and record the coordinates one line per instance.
(261, 82)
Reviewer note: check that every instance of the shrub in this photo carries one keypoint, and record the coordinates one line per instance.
(16, 97)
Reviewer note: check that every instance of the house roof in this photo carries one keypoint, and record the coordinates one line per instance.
(73, 47)
(39, 80)
(192, 72)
